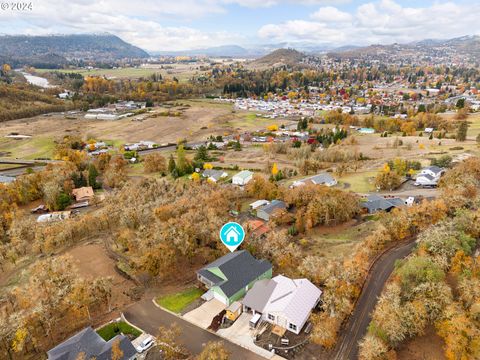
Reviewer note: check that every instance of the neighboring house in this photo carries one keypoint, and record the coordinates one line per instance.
(266, 211)
(282, 301)
(319, 179)
(257, 228)
(6, 179)
(214, 175)
(230, 277)
(54, 216)
(83, 194)
(375, 203)
(92, 346)
(142, 145)
(242, 178)
(429, 176)
(259, 203)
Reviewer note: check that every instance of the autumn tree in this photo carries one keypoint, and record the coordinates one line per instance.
(166, 340)
(260, 188)
(155, 163)
(214, 351)
(462, 131)
(116, 172)
(387, 179)
(117, 352)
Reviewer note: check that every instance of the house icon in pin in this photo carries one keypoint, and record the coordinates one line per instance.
(232, 235)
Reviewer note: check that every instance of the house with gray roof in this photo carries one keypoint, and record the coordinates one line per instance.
(319, 179)
(375, 203)
(283, 301)
(230, 277)
(429, 176)
(91, 345)
(214, 175)
(266, 211)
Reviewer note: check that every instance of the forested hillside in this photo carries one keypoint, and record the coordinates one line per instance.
(46, 51)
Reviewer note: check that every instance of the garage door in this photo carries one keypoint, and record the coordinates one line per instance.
(220, 298)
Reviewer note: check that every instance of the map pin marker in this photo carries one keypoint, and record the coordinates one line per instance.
(232, 235)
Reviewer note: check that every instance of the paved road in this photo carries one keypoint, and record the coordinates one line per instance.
(148, 317)
(356, 327)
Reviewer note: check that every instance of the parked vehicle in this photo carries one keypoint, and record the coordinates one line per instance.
(146, 344)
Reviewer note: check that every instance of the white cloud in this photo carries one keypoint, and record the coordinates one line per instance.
(143, 29)
(384, 21)
(331, 14)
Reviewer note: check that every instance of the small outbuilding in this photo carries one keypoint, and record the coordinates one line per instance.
(242, 178)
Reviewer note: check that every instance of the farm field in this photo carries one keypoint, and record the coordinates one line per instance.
(180, 71)
(197, 122)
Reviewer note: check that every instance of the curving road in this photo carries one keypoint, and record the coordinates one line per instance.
(356, 327)
(148, 317)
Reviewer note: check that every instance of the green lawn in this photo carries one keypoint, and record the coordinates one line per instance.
(360, 181)
(111, 330)
(36, 147)
(179, 301)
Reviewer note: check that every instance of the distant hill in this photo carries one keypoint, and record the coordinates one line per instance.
(58, 49)
(466, 48)
(289, 57)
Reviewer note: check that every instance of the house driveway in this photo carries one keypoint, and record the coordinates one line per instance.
(204, 314)
(240, 333)
(148, 317)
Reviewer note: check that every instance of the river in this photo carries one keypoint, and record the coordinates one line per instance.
(37, 80)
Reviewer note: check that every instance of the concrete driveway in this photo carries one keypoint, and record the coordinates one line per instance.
(204, 314)
(240, 333)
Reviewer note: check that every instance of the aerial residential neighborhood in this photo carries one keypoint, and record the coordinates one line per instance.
(240, 180)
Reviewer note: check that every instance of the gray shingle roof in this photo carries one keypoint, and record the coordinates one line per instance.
(435, 169)
(274, 205)
(378, 203)
(211, 173)
(258, 296)
(90, 343)
(240, 268)
(319, 179)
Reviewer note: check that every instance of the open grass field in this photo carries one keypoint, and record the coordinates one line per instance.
(361, 181)
(111, 330)
(35, 147)
(183, 72)
(179, 301)
(337, 241)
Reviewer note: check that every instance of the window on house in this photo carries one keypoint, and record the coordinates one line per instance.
(271, 317)
(292, 327)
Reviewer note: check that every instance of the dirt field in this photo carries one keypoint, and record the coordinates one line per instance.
(426, 347)
(196, 123)
(92, 262)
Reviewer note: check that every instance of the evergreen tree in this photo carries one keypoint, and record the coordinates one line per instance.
(92, 177)
(171, 165)
(202, 154)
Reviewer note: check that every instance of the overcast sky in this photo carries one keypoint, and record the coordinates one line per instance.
(156, 25)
